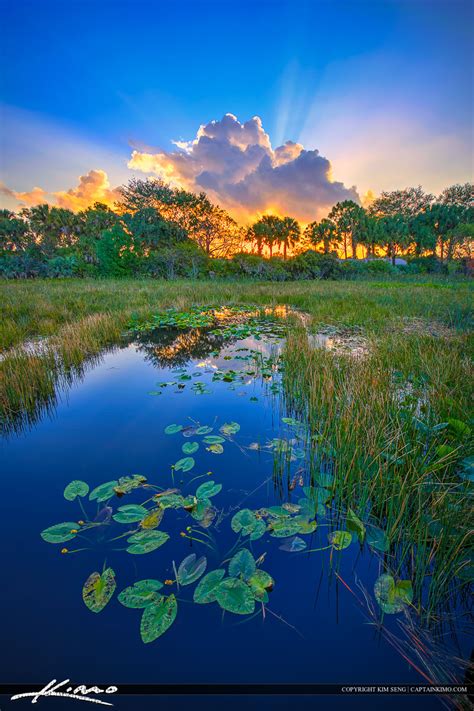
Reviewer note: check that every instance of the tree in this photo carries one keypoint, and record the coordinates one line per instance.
(396, 234)
(349, 220)
(408, 202)
(52, 227)
(14, 232)
(115, 254)
(291, 233)
(322, 232)
(462, 195)
(151, 231)
(209, 225)
(93, 222)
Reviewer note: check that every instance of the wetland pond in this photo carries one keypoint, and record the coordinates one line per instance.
(162, 524)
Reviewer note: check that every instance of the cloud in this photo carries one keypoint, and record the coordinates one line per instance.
(32, 197)
(92, 187)
(236, 165)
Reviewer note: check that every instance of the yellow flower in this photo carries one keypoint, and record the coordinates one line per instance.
(183, 534)
(169, 582)
(81, 523)
(64, 550)
(74, 530)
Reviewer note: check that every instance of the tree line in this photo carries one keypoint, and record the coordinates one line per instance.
(154, 228)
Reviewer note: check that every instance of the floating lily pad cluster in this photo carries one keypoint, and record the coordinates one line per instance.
(210, 442)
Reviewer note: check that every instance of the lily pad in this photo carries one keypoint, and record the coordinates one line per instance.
(60, 532)
(103, 491)
(185, 464)
(260, 582)
(355, 525)
(392, 596)
(242, 564)
(204, 430)
(140, 594)
(208, 490)
(340, 540)
(206, 589)
(215, 449)
(173, 429)
(157, 618)
(146, 541)
(230, 428)
(76, 488)
(190, 447)
(131, 513)
(235, 596)
(213, 439)
(293, 545)
(191, 569)
(376, 538)
(153, 519)
(98, 589)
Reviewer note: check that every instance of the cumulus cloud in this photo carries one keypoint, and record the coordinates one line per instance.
(32, 197)
(236, 165)
(92, 187)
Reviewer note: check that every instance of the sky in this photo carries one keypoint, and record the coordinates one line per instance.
(267, 105)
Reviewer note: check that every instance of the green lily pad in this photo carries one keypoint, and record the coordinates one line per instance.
(185, 464)
(173, 429)
(340, 539)
(191, 569)
(146, 541)
(98, 589)
(76, 488)
(235, 596)
(244, 520)
(204, 430)
(103, 491)
(157, 618)
(284, 528)
(258, 530)
(60, 532)
(392, 596)
(208, 490)
(206, 588)
(190, 447)
(242, 564)
(140, 594)
(376, 538)
(213, 439)
(260, 582)
(355, 525)
(229, 428)
(131, 513)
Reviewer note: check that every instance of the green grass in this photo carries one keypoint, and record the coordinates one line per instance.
(40, 307)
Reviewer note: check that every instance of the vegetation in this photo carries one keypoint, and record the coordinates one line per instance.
(165, 232)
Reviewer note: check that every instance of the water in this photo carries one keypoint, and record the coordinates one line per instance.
(108, 425)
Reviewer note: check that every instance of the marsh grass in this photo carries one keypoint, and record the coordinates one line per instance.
(31, 375)
(384, 452)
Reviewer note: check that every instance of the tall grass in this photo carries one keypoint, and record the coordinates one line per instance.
(385, 451)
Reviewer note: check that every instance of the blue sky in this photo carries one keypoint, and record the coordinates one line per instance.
(383, 89)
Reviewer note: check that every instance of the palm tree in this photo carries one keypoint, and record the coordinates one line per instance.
(325, 232)
(291, 233)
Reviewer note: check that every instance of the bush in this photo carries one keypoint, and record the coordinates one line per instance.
(21, 266)
(428, 265)
(181, 260)
(60, 266)
(314, 265)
